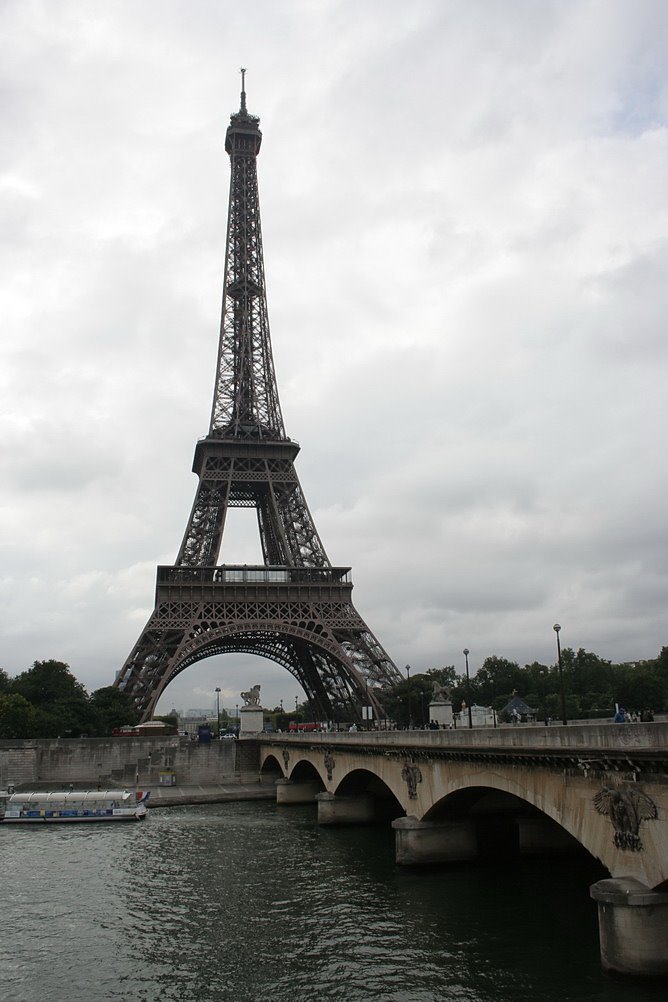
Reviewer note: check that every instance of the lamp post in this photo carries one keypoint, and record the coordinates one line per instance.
(556, 629)
(218, 707)
(410, 711)
(465, 652)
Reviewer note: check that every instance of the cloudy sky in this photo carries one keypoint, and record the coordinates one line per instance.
(465, 220)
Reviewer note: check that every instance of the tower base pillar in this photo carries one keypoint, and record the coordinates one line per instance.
(633, 927)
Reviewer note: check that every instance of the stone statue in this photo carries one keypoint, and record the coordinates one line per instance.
(626, 807)
(442, 693)
(252, 697)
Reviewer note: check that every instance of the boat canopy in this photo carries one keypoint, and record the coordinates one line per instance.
(72, 796)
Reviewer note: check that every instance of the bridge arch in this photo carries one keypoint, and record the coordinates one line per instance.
(366, 782)
(542, 794)
(506, 824)
(270, 768)
(304, 771)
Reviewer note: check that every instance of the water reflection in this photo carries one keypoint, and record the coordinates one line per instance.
(254, 902)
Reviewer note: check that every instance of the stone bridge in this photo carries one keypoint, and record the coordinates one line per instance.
(460, 794)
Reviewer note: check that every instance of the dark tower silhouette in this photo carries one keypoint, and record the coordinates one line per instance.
(295, 608)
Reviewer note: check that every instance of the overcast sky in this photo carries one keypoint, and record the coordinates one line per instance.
(464, 207)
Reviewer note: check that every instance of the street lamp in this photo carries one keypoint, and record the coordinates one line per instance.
(556, 629)
(410, 712)
(218, 707)
(465, 652)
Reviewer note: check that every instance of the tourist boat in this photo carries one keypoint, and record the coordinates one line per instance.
(73, 805)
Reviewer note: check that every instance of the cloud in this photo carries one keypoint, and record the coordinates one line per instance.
(464, 219)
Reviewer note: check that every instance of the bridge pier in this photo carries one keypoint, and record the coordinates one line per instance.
(289, 792)
(633, 927)
(333, 809)
(420, 842)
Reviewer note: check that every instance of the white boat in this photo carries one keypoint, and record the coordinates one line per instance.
(72, 805)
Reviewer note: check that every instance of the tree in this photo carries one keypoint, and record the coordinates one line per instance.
(661, 673)
(62, 704)
(497, 678)
(407, 702)
(4, 681)
(48, 682)
(637, 687)
(17, 716)
(538, 684)
(112, 708)
(586, 672)
(661, 662)
(446, 676)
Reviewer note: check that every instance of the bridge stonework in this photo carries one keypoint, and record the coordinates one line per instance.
(604, 787)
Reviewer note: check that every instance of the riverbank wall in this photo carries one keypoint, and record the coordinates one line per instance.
(160, 764)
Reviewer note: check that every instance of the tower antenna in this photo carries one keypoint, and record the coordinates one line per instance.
(243, 89)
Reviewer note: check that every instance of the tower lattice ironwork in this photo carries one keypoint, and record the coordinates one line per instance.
(295, 608)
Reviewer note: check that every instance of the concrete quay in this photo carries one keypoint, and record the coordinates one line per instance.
(178, 796)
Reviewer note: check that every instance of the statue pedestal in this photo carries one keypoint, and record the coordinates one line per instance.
(441, 712)
(252, 719)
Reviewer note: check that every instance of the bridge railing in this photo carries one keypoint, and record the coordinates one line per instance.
(641, 737)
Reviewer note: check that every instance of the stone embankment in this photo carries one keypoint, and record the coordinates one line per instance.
(175, 796)
(174, 769)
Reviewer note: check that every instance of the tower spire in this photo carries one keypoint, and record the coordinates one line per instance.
(243, 91)
(245, 399)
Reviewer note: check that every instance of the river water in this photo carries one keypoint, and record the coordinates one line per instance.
(251, 901)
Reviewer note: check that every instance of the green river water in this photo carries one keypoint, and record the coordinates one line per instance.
(251, 901)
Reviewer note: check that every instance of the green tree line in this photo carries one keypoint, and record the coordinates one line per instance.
(592, 686)
(47, 701)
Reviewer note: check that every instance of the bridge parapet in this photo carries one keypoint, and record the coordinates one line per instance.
(650, 737)
(632, 748)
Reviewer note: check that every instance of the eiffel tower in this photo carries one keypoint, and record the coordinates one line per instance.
(296, 608)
